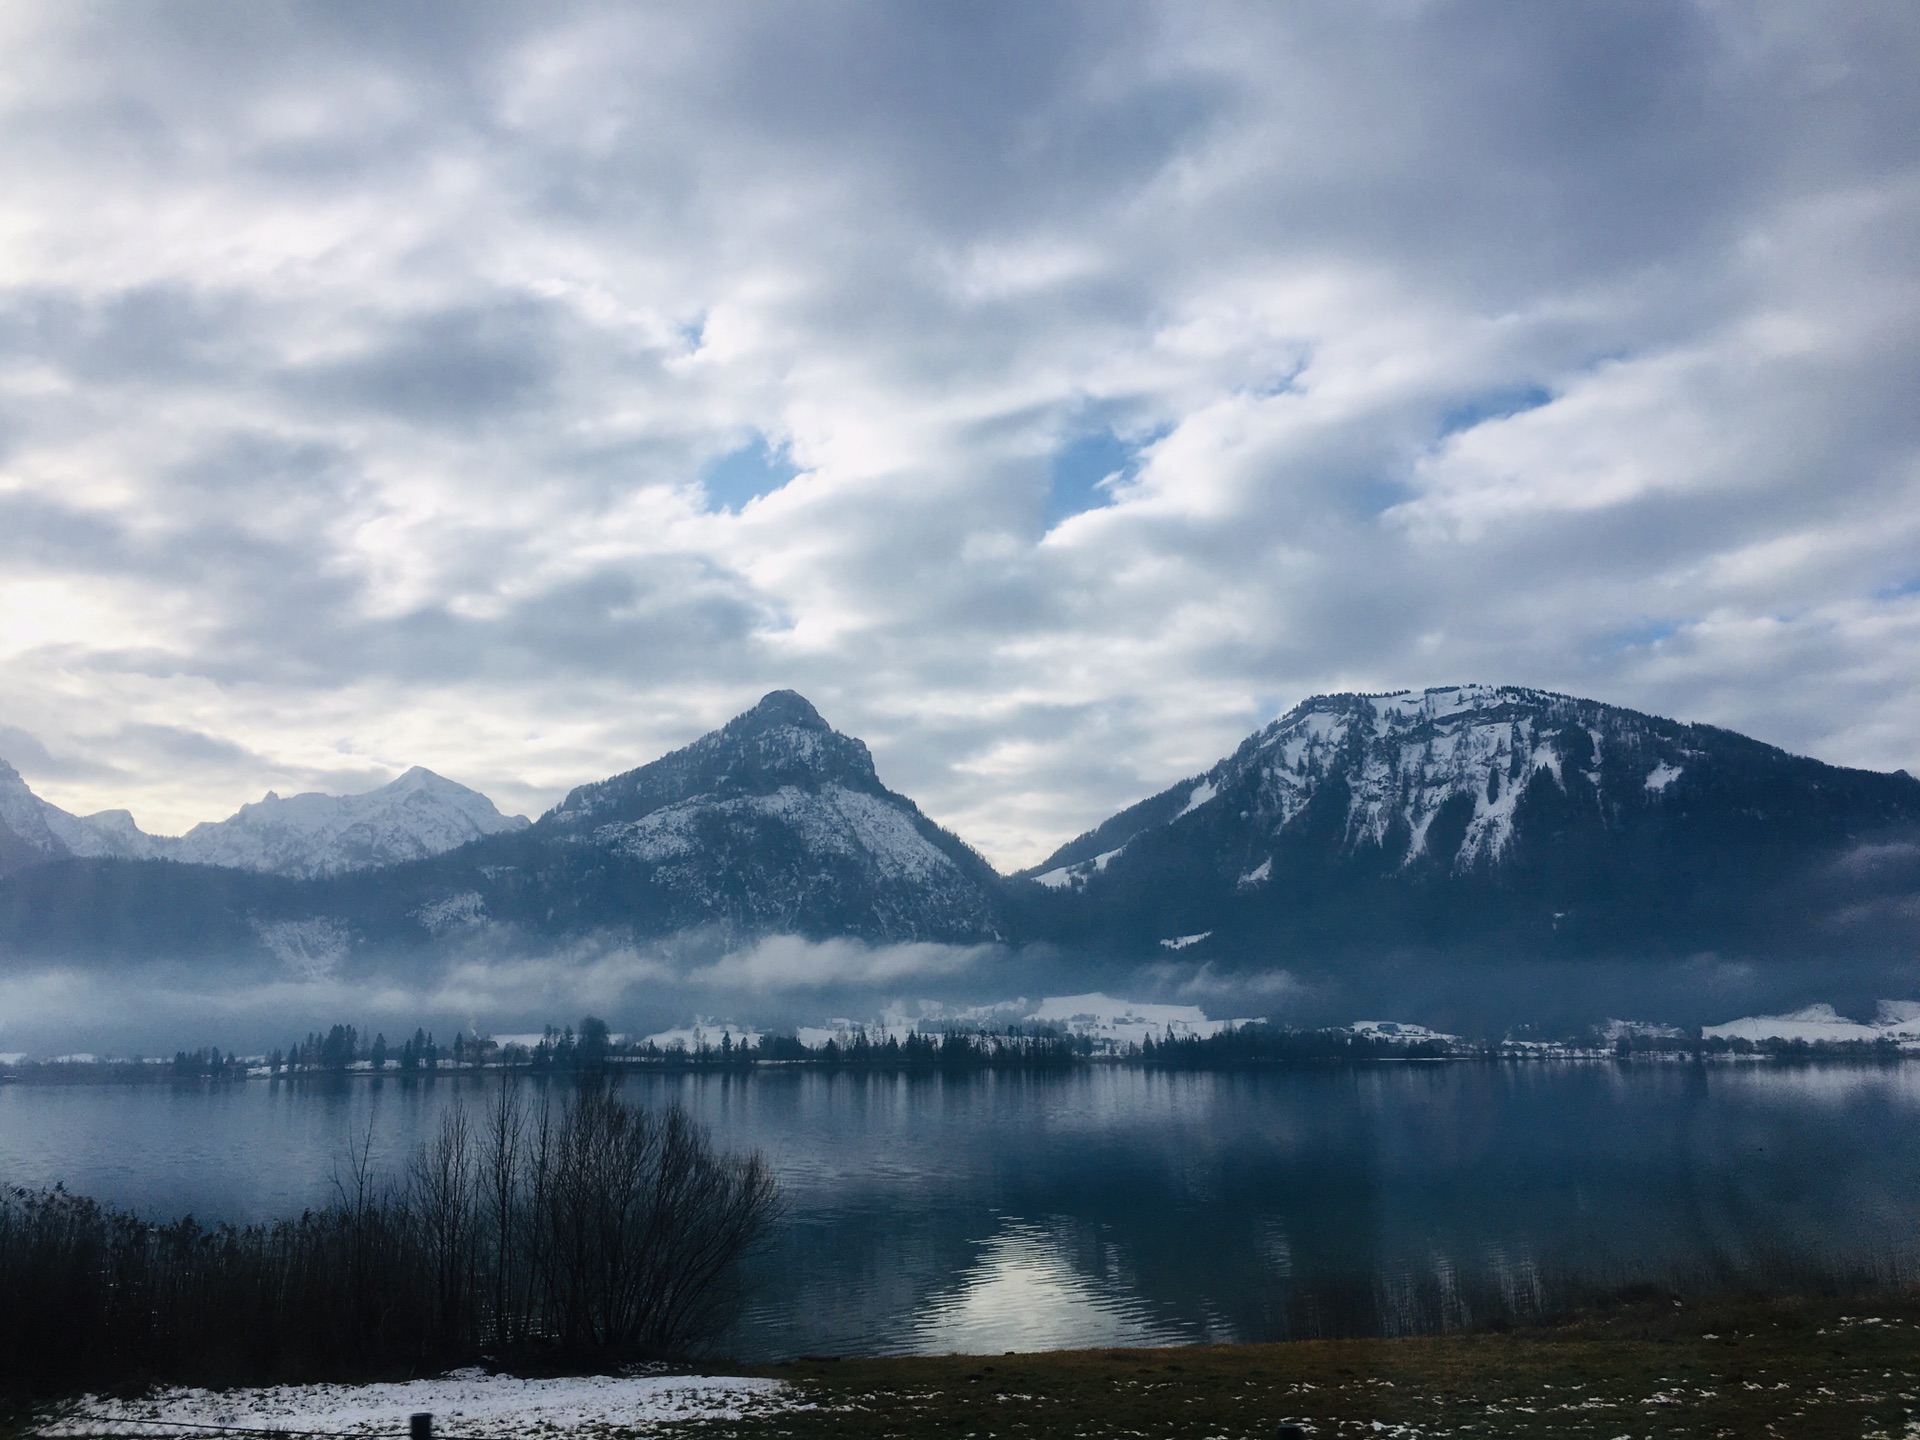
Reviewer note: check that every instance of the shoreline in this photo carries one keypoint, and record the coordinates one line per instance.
(1810, 1365)
(158, 1072)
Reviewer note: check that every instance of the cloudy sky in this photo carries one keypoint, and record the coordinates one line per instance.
(1052, 392)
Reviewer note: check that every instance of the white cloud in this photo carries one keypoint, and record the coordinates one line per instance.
(358, 370)
(784, 963)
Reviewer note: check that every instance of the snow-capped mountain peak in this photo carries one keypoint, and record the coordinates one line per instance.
(418, 815)
(1432, 774)
(1390, 821)
(42, 830)
(782, 741)
(776, 814)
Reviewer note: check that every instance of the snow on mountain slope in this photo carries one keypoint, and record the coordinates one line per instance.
(1491, 820)
(835, 821)
(419, 815)
(778, 819)
(1404, 759)
(47, 831)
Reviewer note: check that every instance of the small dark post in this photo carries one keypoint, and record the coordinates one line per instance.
(420, 1427)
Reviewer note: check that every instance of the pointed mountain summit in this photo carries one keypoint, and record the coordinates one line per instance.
(775, 821)
(773, 824)
(33, 830)
(782, 741)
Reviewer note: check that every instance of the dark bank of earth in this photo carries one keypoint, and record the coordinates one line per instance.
(1799, 1366)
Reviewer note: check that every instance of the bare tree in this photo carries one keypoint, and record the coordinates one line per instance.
(442, 1196)
(642, 1227)
(500, 1161)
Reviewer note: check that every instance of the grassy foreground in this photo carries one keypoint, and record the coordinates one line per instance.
(1793, 1367)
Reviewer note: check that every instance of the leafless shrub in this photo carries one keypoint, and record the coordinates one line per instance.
(602, 1232)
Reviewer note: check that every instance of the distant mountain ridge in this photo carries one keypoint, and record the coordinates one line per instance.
(1457, 822)
(419, 815)
(304, 836)
(33, 830)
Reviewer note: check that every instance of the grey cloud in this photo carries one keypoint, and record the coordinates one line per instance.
(173, 744)
(403, 328)
(153, 333)
(463, 366)
(24, 751)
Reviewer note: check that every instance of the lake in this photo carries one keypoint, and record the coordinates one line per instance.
(1109, 1205)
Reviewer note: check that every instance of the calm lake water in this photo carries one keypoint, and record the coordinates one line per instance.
(1106, 1205)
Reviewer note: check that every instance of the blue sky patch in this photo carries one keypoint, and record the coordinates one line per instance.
(753, 470)
(1086, 468)
(1378, 495)
(1648, 632)
(1494, 405)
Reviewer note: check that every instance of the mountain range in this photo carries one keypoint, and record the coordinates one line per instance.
(1466, 821)
(304, 836)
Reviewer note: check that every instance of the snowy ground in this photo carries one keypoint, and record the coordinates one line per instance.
(1898, 1020)
(467, 1403)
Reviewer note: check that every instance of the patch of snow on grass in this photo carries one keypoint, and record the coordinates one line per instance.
(1397, 1030)
(1127, 1022)
(1661, 776)
(1640, 1030)
(1259, 872)
(704, 1032)
(465, 1402)
(894, 1025)
(1899, 1014)
(1814, 1023)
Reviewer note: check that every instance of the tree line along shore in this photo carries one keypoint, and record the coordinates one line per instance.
(343, 1050)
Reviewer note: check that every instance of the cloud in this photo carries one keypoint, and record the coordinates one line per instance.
(1051, 394)
(312, 976)
(784, 963)
(1205, 986)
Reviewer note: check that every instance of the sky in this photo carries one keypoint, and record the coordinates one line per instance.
(1053, 393)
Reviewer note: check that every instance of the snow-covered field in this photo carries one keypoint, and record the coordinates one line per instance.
(1898, 1020)
(1127, 1022)
(463, 1403)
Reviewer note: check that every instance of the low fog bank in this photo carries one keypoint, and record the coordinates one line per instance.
(246, 1005)
(490, 986)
